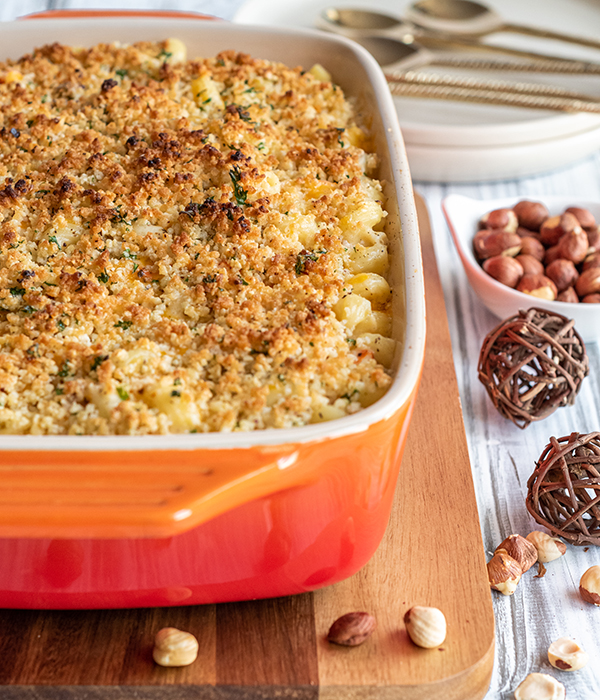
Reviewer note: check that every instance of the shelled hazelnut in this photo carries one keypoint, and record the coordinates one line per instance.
(538, 286)
(559, 255)
(566, 655)
(521, 550)
(589, 585)
(540, 686)
(548, 548)
(504, 572)
(531, 215)
(352, 629)
(425, 626)
(505, 269)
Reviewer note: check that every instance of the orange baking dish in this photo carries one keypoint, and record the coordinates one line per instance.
(100, 522)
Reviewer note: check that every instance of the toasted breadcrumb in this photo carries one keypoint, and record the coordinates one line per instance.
(174, 237)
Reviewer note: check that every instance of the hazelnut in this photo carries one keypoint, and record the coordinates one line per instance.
(588, 282)
(584, 216)
(551, 255)
(531, 215)
(530, 265)
(490, 242)
(593, 237)
(568, 295)
(504, 573)
(589, 585)
(592, 260)
(504, 269)
(567, 655)
(425, 626)
(540, 686)
(553, 229)
(538, 286)
(531, 246)
(548, 548)
(573, 245)
(563, 273)
(352, 629)
(502, 219)
(172, 647)
(521, 550)
(526, 232)
(591, 299)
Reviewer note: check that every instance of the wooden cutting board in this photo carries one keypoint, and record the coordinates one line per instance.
(432, 554)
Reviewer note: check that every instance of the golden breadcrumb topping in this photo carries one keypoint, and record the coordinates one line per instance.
(185, 246)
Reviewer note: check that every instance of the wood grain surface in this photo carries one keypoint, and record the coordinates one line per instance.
(432, 554)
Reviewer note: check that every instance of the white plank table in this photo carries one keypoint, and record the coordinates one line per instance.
(502, 456)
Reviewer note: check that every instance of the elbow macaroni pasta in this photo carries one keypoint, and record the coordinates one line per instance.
(186, 245)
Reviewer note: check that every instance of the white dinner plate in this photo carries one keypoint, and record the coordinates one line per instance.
(460, 142)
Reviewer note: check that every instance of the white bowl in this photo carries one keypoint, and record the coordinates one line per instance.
(463, 213)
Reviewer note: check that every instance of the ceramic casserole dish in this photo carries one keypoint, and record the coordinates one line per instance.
(122, 521)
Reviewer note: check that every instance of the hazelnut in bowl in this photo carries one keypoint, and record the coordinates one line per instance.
(520, 252)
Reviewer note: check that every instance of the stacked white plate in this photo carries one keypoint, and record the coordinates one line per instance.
(462, 142)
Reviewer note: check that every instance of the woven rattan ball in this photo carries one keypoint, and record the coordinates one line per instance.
(563, 493)
(531, 364)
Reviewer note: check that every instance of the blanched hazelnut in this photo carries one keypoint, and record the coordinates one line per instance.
(548, 548)
(425, 626)
(588, 282)
(531, 246)
(504, 572)
(567, 655)
(563, 273)
(538, 286)
(573, 245)
(585, 217)
(172, 647)
(553, 229)
(502, 219)
(591, 299)
(530, 265)
(504, 269)
(540, 686)
(521, 550)
(589, 585)
(488, 243)
(531, 215)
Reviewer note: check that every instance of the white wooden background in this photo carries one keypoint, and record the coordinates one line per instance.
(502, 455)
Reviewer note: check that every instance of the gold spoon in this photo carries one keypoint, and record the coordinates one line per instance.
(465, 17)
(391, 40)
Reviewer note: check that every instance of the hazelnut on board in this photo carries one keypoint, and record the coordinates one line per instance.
(502, 219)
(352, 629)
(531, 246)
(538, 286)
(425, 626)
(567, 655)
(548, 548)
(589, 585)
(563, 273)
(585, 217)
(540, 686)
(504, 269)
(488, 243)
(521, 550)
(172, 647)
(588, 282)
(573, 245)
(531, 215)
(504, 572)
(554, 228)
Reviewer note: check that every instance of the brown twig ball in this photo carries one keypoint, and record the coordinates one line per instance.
(531, 364)
(563, 493)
